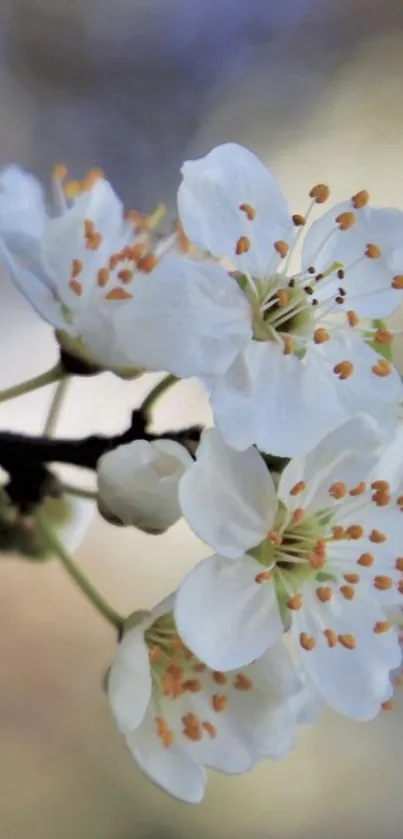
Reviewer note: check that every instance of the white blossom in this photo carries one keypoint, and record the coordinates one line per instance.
(76, 267)
(318, 555)
(138, 483)
(178, 716)
(283, 351)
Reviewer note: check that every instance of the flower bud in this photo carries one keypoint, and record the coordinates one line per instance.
(138, 484)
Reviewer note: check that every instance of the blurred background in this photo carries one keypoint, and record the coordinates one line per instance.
(136, 86)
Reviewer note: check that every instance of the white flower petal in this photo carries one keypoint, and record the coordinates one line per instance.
(228, 497)
(224, 616)
(390, 463)
(129, 680)
(22, 204)
(271, 400)
(368, 281)
(73, 530)
(345, 455)
(171, 769)
(353, 681)
(138, 483)
(363, 390)
(32, 285)
(210, 196)
(64, 239)
(186, 317)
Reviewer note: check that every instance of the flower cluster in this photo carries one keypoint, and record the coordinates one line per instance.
(297, 486)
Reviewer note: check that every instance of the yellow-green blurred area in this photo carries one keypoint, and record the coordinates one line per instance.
(135, 86)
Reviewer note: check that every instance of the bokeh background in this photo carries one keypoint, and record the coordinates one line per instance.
(136, 86)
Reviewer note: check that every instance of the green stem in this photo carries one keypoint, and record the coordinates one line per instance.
(158, 391)
(74, 572)
(79, 492)
(56, 406)
(54, 375)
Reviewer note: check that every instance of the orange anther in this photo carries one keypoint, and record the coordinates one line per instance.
(282, 297)
(331, 637)
(352, 578)
(89, 228)
(125, 275)
(297, 516)
(324, 593)
(338, 532)
(366, 560)
(103, 277)
(384, 486)
(72, 189)
(282, 248)
(263, 577)
(320, 193)
(383, 336)
(338, 490)
(355, 531)
(316, 560)
(200, 667)
(307, 641)
(372, 251)
(249, 211)
(382, 368)
(219, 702)
(275, 538)
(93, 242)
(348, 592)
(320, 336)
(352, 318)
(377, 536)
(242, 245)
(118, 293)
(138, 251)
(219, 678)
(360, 199)
(59, 172)
(382, 626)
(388, 705)
(397, 282)
(344, 369)
(297, 488)
(345, 220)
(298, 220)
(381, 498)
(76, 268)
(399, 563)
(295, 602)
(347, 641)
(383, 583)
(192, 685)
(210, 728)
(288, 345)
(358, 490)
(147, 263)
(76, 287)
(242, 682)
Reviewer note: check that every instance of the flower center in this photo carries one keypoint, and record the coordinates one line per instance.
(284, 310)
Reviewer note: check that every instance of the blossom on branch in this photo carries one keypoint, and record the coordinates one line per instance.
(318, 555)
(283, 348)
(179, 716)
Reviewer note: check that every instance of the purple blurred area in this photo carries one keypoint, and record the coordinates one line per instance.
(127, 85)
